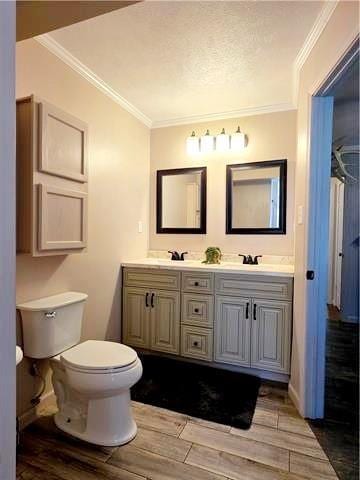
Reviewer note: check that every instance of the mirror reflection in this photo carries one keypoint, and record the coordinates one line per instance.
(181, 200)
(256, 197)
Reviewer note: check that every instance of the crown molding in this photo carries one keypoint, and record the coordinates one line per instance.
(313, 36)
(323, 18)
(54, 47)
(243, 112)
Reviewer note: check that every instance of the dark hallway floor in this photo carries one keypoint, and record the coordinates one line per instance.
(338, 433)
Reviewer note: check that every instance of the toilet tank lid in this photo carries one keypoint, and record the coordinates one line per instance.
(55, 301)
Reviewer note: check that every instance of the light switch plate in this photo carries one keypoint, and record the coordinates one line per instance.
(140, 226)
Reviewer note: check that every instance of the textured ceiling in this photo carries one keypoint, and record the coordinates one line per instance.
(180, 59)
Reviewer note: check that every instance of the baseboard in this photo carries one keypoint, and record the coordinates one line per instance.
(350, 319)
(294, 397)
(33, 413)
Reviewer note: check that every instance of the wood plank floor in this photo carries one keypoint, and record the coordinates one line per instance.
(172, 446)
(338, 432)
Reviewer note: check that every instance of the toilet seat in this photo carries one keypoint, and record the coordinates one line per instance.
(101, 357)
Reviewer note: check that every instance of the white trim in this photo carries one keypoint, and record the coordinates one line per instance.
(294, 397)
(54, 47)
(57, 49)
(242, 112)
(317, 29)
(336, 77)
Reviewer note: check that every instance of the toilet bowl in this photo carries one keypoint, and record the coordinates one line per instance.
(91, 380)
(92, 384)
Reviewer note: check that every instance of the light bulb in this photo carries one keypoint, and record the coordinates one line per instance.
(222, 141)
(192, 144)
(207, 143)
(237, 140)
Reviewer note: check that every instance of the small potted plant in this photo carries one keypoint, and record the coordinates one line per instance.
(213, 255)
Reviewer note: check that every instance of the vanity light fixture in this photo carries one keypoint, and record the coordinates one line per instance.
(222, 141)
(192, 144)
(237, 140)
(206, 143)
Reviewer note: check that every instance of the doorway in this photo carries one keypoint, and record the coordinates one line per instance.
(335, 394)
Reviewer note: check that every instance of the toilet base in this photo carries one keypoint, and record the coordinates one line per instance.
(76, 429)
(105, 421)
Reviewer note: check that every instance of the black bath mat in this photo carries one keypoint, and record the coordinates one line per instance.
(199, 391)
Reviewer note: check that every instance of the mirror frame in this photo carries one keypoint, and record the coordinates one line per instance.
(281, 229)
(179, 171)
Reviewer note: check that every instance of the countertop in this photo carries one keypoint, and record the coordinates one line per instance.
(223, 267)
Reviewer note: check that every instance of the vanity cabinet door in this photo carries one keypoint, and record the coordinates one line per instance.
(165, 321)
(232, 330)
(271, 335)
(136, 317)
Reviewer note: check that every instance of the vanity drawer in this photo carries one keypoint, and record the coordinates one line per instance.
(257, 286)
(197, 310)
(152, 278)
(197, 282)
(197, 343)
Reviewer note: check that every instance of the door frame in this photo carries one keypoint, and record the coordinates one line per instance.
(7, 243)
(318, 233)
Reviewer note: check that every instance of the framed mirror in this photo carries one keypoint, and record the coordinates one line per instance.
(256, 198)
(181, 200)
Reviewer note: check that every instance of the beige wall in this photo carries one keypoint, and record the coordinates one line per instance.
(118, 172)
(333, 42)
(271, 136)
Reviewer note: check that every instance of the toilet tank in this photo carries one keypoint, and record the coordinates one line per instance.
(52, 324)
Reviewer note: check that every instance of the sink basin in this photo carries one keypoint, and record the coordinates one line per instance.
(19, 355)
(166, 261)
(262, 267)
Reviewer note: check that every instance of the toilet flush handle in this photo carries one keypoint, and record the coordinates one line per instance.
(50, 314)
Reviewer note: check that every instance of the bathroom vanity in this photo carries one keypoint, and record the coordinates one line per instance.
(231, 315)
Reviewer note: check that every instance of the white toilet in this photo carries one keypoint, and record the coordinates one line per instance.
(91, 380)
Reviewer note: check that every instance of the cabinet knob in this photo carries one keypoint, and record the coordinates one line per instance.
(196, 284)
(196, 310)
(196, 344)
